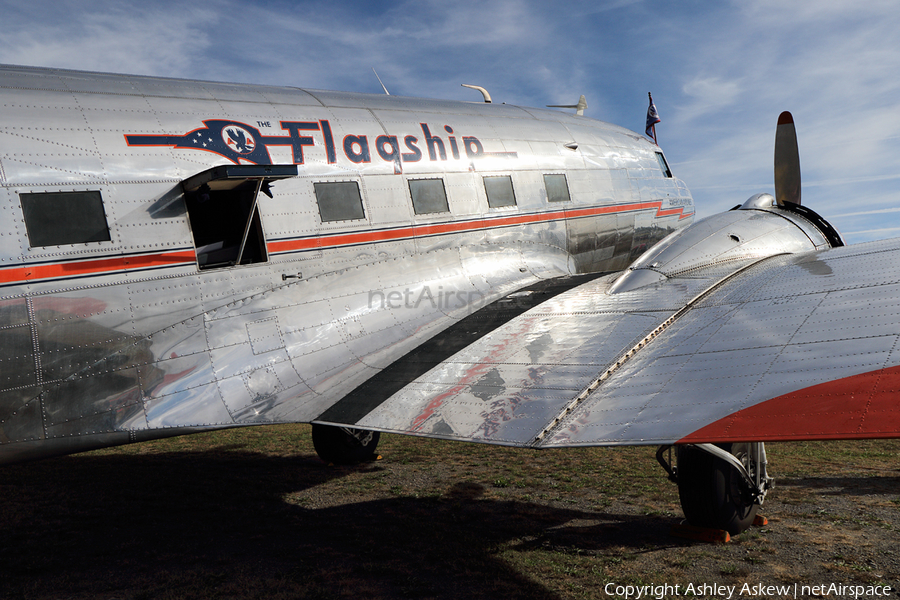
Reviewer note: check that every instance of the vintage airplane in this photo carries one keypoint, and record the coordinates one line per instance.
(179, 256)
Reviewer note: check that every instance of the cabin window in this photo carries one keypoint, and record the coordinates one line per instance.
(339, 201)
(557, 188)
(428, 196)
(663, 164)
(499, 190)
(59, 218)
(222, 206)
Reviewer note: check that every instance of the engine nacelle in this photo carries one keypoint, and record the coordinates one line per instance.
(757, 229)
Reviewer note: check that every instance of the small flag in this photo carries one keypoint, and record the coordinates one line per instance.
(652, 119)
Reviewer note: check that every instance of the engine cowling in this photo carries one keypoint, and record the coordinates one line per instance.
(757, 229)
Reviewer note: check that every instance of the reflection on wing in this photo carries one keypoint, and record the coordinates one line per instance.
(799, 346)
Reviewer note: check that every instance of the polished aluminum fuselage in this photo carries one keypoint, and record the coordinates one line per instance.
(109, 342)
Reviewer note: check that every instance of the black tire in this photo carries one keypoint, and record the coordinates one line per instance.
(334, 445)
(713, 494)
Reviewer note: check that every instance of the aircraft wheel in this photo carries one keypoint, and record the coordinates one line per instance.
(336, 445)
(713, 494)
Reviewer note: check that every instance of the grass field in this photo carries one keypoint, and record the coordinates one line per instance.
(253, 513)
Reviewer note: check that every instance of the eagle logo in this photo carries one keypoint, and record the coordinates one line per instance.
(238, 139)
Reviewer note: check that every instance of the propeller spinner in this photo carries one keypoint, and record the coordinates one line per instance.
(787, 161)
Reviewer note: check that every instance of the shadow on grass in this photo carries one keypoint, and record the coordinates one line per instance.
(215, 525)
(856, 485)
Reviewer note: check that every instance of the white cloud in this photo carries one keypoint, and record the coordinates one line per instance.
(879, 211)
(712, 93)
(112, 37)
(720, 73)
(832, 64)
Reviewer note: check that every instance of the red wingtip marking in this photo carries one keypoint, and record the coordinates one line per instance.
(855, 407)
(785, 118)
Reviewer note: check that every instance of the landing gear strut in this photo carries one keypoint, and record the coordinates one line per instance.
(344, 445)
(720, 486)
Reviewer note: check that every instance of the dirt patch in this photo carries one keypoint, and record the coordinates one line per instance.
(254, 514)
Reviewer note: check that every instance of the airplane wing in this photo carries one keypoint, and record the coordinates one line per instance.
(792, 346)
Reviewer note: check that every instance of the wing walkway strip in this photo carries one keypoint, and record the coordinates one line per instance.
(590, 389)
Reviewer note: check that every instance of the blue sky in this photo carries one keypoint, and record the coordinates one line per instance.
(720, 72)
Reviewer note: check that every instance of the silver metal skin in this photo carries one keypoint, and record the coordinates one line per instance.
(774, 338)
(727, 238)
(596, 365)
(747, 326)
(118, 341)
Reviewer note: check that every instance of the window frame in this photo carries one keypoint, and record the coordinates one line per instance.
(323, 185)
(222, 206)
(39, 218)
(411, 183)
(664, 165)
(565, 181)
(487, 191)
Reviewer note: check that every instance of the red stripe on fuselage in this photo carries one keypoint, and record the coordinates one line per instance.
(855, 407)
(365, 237)
(99, 266)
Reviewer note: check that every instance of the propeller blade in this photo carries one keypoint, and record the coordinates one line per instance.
(787, 161)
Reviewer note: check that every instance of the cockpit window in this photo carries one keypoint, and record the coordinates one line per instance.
(663, 164)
